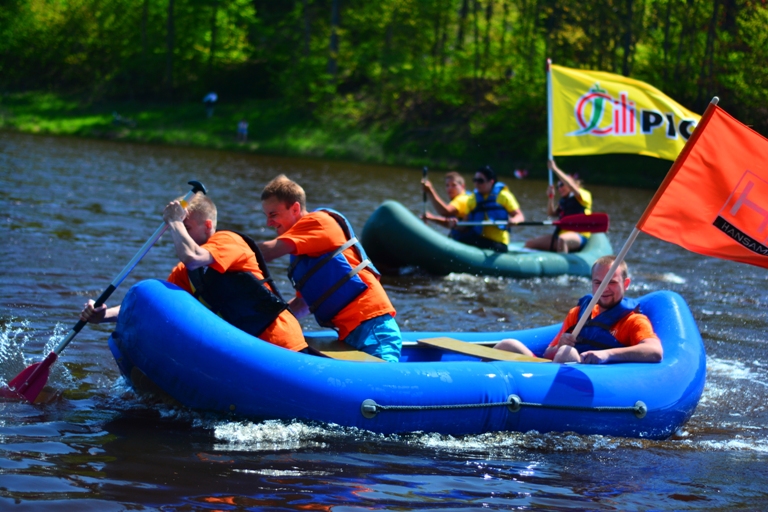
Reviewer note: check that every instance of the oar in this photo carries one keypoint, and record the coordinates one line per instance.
(594, 223)
(32, 379)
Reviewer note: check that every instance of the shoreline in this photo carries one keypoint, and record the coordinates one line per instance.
(279, 130)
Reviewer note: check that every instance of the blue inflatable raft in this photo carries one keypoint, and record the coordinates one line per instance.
(421, 246)
(167, 342)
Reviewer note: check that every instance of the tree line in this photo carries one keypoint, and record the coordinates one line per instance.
(466, 65)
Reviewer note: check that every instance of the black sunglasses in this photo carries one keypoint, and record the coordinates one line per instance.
(479, 180)
(560, 184)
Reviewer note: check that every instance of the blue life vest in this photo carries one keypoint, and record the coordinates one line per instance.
(596, 333)
(328, 283)
(239, 297)
(489, 207)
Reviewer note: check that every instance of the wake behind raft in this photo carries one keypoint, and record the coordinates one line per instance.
(166, 342)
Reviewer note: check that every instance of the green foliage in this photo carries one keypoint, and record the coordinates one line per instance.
(450, 82)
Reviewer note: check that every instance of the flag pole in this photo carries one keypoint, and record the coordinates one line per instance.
(549, 116)
(636, 231)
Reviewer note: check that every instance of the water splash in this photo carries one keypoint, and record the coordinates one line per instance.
(14, 337)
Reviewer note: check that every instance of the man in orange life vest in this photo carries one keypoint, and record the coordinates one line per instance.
(334, 279)
(615, 333)
(221, 269)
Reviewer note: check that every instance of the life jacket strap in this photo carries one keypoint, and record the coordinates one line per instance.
(352, 273)
(262, 264)
(300, 283)
(196, 283)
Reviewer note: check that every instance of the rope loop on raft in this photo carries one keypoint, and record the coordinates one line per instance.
(369, 408)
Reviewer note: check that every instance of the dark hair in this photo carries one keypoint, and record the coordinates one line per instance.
(489, 173)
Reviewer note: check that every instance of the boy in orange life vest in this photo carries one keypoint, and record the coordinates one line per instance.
(630, 338)
(324, 253)
(198, 244)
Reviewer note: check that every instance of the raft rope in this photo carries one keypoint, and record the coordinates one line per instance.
(369, 408)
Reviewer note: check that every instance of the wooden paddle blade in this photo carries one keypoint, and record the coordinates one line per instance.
(31, 381)
(594, 223)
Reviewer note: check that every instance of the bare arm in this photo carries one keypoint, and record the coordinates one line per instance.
(565, 178)
(273, 249)
(565, 339)
(100, 314)
(189, 252)
(648, 350)
(448, 222)
(516, 217)
(298, 307)
(441, 207)
(551, 205)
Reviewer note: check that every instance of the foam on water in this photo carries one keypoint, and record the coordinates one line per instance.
(13, 338)
(725, 378)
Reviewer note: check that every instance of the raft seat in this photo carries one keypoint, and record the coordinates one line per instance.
(477, 350)
(339, 350)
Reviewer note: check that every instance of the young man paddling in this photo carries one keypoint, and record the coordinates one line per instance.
(457, 197)
(491, 200)
(616, 332)
(334, 279)
(222, 270)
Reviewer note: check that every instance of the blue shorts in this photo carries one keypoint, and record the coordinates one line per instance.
(379, 336)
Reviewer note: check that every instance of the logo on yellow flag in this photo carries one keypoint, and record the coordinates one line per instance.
(596, 112)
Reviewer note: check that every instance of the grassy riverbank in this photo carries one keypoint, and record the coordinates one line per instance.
(276, 128)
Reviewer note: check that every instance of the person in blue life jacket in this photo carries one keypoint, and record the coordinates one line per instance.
(617, 331)
(457, 197)
(334, 279)
(491, 200)
(574, 199)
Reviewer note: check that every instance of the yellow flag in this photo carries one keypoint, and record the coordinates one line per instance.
(596, 112)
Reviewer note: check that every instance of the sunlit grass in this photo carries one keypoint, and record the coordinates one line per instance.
(338, 133)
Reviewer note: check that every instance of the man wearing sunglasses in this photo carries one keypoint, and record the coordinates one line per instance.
(491, 200)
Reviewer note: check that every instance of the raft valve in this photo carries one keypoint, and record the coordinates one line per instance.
(369, 408)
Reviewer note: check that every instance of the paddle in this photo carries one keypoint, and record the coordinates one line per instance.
(594, 223)
(32, 379)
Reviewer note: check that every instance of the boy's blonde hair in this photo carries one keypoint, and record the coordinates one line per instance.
(202, 208)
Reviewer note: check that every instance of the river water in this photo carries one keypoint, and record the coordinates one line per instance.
(73, 213)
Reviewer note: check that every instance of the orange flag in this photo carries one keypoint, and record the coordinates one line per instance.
(714, 200)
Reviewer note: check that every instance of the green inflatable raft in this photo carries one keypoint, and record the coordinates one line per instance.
(394, 237)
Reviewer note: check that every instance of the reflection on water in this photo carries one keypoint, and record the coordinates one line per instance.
(74, 212)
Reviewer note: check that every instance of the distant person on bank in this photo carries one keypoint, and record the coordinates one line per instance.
(574, 199)
(616, 332)
(242, 131)
(209, 101)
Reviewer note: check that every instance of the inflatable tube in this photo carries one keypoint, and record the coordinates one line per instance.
(419, 245)
(168, 343)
